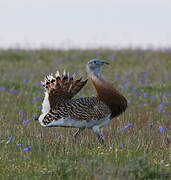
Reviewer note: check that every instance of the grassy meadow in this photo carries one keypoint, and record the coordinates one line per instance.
(138, 141)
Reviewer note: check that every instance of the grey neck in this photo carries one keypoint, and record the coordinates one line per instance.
(94, 72)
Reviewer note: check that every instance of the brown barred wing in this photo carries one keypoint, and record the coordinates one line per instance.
(88, 109)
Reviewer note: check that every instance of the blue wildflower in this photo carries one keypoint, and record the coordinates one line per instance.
(101, 133)
(151, 125)
(165, 94)
(54, 133)
(160, 107)
(170, 128)
(25, 80)
(26, 121)
(121, 129)
(126, 85)
(166, 103)
(40, 108)
(34, 100)
(145, 95)
(27, 149)
(2, 88)
(11, 139)
(121, 145)
(11, 90)
(133, 90)
(129, 125)
(19, 145)
(140, 80)
(118, 76)
(161, 128)
(25, 114)
(152, 97)
(15, 91)
(20, 111)
(65, 150)
(164, 112)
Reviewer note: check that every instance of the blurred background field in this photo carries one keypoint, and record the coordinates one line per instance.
(138, 141)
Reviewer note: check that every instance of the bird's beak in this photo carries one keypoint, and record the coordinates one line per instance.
(104, 62)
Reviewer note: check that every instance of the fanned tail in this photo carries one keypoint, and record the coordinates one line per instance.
(61, 88)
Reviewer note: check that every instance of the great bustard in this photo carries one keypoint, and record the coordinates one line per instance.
(60, 109)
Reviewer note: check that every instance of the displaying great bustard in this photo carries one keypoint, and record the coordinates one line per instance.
(59, 108)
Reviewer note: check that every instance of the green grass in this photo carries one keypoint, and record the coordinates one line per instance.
(141, 152)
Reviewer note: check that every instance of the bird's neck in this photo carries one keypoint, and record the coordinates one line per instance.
(108, 94)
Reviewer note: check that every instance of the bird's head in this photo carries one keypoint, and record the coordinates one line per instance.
(94, 66)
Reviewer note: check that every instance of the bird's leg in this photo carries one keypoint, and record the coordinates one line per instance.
(78, 132)
(97, 132)
(101, 140)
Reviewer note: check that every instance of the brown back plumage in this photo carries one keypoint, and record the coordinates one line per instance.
(62, 88)
(110, 96)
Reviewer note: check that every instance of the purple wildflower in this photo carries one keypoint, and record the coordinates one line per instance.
(40, 108)
(164, 112)
(65, 150)
(152, 97)
(26, 121)
(140, 80)
(145, 95)
(126, 85)
(121, 129)
(161, 128)
(160, 107)
(2, 88)
(11, 139)
(118, 76)
(20, 111)
(27, 149)
(19, 145)
(25, 80)
(133, 90)
(15, 91)
(101, 133)
(11, 90)
(151, 125)
(129, 125)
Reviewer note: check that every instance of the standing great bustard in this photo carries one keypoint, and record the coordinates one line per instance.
(60, 109)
